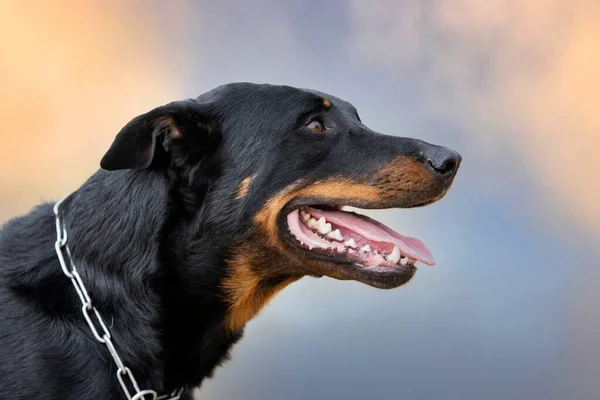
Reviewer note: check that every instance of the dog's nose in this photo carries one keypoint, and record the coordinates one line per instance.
(442, 161)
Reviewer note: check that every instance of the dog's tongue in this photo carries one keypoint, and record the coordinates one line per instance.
(376, 231)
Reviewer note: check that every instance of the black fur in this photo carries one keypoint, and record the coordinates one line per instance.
(152, 231)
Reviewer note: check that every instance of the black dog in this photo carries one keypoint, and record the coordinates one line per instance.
(203, 210)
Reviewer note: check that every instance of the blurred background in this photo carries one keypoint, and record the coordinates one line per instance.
(512, 308)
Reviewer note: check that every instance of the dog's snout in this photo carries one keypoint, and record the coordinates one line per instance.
(442, 161)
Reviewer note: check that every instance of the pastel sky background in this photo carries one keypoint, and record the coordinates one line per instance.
(511, 310)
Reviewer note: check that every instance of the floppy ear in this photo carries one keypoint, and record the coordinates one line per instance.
(147, 138)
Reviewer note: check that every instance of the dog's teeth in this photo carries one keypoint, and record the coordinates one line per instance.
(404, 261)
(394, 256)
(337, 235)
(312, 223)
(350, 243)
(323, 226)
(366, 249)
(305, 215)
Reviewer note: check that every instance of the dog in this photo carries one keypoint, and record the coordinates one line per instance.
(202, 211)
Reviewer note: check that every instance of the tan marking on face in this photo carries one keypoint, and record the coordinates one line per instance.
(326, 103)
(402, 177)
(251, 285)
(243, 188)
(248, 291)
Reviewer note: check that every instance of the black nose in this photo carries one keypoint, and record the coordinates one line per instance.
(442, 161)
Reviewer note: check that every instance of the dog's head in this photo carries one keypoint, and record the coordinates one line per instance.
(266, 171)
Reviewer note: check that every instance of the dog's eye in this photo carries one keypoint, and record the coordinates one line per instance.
(316, 125)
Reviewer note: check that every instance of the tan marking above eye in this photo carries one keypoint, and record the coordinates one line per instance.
(326, 103)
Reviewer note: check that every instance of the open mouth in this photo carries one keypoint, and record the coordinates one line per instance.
(349, 237)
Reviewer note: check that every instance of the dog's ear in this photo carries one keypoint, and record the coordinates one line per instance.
(176, 127)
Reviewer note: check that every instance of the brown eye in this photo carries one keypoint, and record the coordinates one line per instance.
(316, 125)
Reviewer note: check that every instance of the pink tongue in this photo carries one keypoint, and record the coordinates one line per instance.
(376, 231)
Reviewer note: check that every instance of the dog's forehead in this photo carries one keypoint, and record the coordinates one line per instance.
(275, 93)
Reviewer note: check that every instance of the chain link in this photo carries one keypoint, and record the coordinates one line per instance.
(95, 321)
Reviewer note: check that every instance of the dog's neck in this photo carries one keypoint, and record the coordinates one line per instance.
(133, 245)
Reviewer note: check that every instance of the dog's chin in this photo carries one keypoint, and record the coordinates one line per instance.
(344, 270)
(349, 246)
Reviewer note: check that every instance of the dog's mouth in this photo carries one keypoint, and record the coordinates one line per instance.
(372, 249)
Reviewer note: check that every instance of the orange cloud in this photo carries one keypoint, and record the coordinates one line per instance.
(70, 78)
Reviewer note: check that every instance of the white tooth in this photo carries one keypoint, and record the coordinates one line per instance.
(324, 227)
(337, 235)
(312, 223)
(394, 256)
(305, 215)
(350, 243)
(366, 249)
(403, 260)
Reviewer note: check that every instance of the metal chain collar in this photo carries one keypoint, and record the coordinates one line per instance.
(91, 314)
